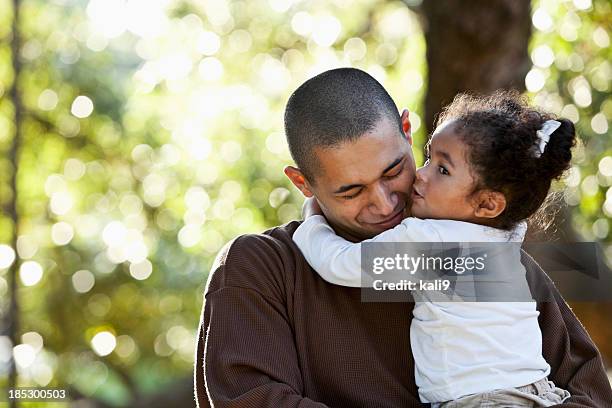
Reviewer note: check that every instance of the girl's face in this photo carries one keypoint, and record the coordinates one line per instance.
(444, 185)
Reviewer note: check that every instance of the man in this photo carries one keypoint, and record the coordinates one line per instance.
(274, 334)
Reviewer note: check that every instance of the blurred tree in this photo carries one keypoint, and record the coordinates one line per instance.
(12, 315)
(477, 46)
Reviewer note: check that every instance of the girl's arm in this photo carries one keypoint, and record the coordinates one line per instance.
(337, 260)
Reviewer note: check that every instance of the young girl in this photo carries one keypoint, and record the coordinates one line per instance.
(489, 167)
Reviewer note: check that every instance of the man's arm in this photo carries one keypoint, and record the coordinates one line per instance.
(246, 354)
(576, 364)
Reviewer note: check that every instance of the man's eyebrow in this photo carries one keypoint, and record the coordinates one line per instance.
(348, 187)
(392, 165)
(446, 157)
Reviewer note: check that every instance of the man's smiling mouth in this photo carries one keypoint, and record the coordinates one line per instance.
(391, 221)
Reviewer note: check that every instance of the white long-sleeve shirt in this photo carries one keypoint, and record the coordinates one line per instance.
(459, 348)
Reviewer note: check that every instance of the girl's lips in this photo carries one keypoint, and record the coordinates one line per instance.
(415, 194)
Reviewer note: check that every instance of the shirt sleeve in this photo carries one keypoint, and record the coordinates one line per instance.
(580, 369)
(338, 261)
(246, 355)
(576, 364)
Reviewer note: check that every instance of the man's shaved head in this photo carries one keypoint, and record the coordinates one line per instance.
(336, 106)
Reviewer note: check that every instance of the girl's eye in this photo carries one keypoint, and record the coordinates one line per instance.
(443, 170)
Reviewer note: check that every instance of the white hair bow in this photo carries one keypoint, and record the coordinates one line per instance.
(544, 133)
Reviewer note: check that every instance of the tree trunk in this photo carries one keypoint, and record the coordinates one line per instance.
(13, 154)
(477, 46)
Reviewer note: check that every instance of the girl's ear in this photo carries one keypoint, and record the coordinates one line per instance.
(489, 204)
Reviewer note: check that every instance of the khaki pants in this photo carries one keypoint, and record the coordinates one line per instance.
(541, 393)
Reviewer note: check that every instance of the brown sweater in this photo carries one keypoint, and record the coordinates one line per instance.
(274, 334)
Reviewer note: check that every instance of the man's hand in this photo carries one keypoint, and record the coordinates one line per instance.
(311, 207)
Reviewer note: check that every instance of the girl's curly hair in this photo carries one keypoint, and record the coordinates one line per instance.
(501, 133)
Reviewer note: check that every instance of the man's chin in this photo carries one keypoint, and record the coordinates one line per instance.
(387, 224)
(357, 233)
(361, 231)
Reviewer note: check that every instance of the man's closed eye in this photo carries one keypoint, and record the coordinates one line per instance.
(351, 196)
(394, 174)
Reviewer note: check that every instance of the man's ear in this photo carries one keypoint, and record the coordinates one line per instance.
(489, 204)
(406, 125)
(299, 180)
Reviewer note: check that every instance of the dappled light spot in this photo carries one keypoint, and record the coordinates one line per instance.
(34, 339)
(599, 123)
(30, 273)
(62, 233)
(82, 107)
(141, 270)
(24, 355)
(47, 100)
(7, 256)
(83, 281)
(103, 343)
(542, 20)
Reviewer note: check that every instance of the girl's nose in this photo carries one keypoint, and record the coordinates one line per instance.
(421, 174)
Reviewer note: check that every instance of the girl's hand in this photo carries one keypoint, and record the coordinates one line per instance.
(310, 208)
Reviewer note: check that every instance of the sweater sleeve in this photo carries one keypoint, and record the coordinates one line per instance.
(337, 260)
(246, 355)
(576, 364)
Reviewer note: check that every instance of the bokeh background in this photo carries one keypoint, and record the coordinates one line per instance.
(138, 136)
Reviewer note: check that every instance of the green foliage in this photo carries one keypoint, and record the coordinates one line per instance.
(572, 77)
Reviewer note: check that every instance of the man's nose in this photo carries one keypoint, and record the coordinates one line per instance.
(383, 201)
